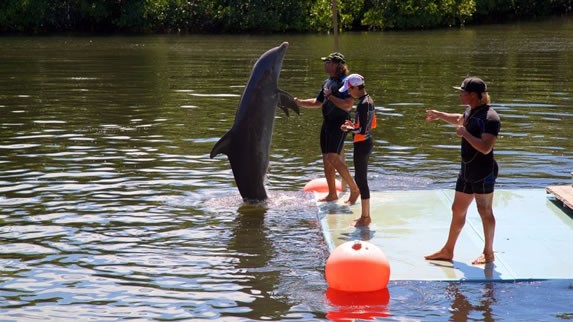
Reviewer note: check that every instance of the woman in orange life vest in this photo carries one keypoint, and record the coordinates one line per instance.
(364, 122)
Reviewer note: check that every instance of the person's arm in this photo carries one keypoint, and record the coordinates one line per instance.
(308, 103)
(362, 115)
(363, 119)
(452, 118)
(341, 103)
(484, 144)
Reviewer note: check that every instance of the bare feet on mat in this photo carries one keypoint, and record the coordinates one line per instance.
(329, 198)
(441, 255)
(362, 222)
(484, 259)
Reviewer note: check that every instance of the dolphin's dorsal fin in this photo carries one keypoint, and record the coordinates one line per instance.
(222, 146)
(286, 101)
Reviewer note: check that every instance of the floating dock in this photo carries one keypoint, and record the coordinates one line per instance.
(563, 194)
(533, 237)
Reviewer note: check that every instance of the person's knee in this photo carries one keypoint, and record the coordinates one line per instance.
(456, 208)
(332, 158)
(485, 211)
(484, 205)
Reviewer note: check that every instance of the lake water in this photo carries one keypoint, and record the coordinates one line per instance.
(111, 209)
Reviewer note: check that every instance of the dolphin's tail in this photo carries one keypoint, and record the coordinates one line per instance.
(286, 101)
(222, 146)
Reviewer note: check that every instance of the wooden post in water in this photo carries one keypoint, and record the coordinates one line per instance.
(335, 24)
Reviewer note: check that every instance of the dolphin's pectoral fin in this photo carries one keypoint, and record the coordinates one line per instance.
(286, 101)
(222, 146)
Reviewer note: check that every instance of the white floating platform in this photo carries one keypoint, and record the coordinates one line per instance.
(533, 237)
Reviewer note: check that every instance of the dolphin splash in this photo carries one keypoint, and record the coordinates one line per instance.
(247, 144)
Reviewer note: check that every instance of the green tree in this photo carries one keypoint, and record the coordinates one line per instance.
(261, 15)
(417, 14)
(349, 14)
(179, 15)
(239, 16)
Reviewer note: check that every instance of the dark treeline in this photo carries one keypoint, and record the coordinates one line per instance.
(240, 16)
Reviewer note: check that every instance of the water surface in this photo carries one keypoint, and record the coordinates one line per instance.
(111, 209)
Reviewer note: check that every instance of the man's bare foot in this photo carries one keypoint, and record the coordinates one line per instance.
(354, 194)
(329, 198)
(441, 255)
(484, 259)
(362, 221)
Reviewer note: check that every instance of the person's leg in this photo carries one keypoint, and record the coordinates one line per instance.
(330, 175)
(459, 210)
(336, 163)
(360, 157)
(361, 154)
(343, 183)
(329, 170)
(334, 139)
(365, 218)
(484, 204)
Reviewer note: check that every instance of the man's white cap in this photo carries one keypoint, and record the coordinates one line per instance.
(352, 80)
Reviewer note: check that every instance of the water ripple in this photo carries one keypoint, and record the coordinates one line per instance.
(112, 209)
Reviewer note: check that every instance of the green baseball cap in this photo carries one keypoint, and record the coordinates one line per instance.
(334, 57)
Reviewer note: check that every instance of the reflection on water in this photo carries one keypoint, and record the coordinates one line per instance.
(463, 310)
(350, 306)
(110, 207)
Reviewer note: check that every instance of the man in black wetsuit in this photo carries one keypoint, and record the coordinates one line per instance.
(478, 127)
(336, 107)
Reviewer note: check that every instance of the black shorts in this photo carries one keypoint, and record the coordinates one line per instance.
(479, 187)
(331, 139)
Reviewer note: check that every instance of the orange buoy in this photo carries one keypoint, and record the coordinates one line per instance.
(320, 185)
(357, 266)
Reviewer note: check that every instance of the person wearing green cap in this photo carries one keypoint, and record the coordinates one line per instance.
(336, 107)
(478, 127)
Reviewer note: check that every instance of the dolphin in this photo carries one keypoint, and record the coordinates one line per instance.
(247, 144)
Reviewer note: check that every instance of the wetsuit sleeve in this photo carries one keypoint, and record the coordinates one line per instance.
(362, 111)
(365, 119)
(493, 124)
(320, 95)
(492, 127)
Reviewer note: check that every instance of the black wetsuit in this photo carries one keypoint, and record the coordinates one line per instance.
(331, 137)
(364, 121)
(478, 171)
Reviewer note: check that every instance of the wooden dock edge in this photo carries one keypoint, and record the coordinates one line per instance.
(563, 194)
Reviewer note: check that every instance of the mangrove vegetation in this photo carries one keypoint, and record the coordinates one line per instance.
(261, 16)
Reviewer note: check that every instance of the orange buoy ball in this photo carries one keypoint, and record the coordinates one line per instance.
(357, 266)
(320, 185)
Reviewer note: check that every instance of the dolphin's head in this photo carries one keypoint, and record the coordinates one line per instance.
(276, 54)
(268, 66)
(281, 51)
(280, 55)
